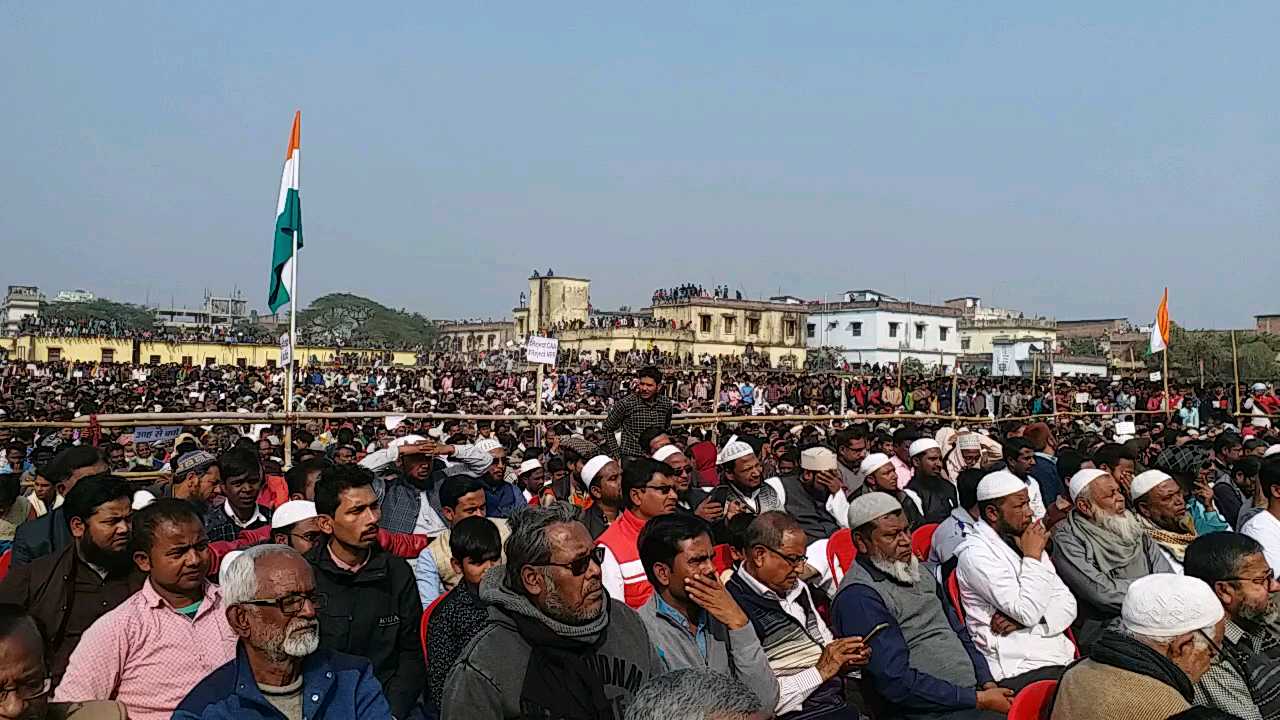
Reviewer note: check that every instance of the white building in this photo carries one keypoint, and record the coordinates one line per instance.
(869, 327)
(75, 296)
(21, 302)
(1025, 358)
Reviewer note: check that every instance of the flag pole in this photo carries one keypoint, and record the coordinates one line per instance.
(293, 329)
(1168, 401)
(1235, 371)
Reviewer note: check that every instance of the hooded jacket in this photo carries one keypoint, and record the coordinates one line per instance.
(486, 682)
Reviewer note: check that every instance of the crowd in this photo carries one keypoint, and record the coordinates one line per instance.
(96, 327)
(632, 567)
(690, 291)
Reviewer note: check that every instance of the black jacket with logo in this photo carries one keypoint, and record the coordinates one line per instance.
(375, 613)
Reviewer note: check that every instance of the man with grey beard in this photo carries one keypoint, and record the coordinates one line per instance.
(1099, 549)
(556, 646)
(279, 668)
(923, 662)
(1243, 679)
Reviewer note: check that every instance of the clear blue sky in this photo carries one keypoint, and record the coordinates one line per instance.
(1065, 159)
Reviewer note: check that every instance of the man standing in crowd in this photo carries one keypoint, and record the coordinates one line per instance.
(474, 547)
(25, 676)
(50, 533)
(150, 651)
(1243, 679)
(1016, 607)
(69, 590)
(645, 408)
(691, 617)
(556, 645)
(279, 669)
(923, 664)
(650, 491)
(852, 445)
(373, 608)
(1146, 668)
(241, 484)
(1099, 549)
(809, 664)
(937, 494)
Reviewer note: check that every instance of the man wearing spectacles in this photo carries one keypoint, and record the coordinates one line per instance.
(25, 681)
(1242, 680)
(649, 491)
(279, 668)
(555, 645)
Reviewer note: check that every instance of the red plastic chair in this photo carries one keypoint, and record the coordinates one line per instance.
(840, 553)
(922, 540)
(1034, 702)
(5, 559)
(953, 592)
(426, 617)
(723, 558)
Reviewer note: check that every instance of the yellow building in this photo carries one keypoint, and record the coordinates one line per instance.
(101, 349)
(977, 336)
(553, 301)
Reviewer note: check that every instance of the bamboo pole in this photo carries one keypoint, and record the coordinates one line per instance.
(1168, 401)
(1235, 370)
(955, 376)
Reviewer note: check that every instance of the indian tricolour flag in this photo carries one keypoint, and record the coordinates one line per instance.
(1160, 328)
(288, 226)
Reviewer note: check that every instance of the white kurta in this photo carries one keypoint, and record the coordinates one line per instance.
(993, 577)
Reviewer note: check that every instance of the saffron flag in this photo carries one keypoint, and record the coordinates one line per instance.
(288, 236)
(1160, 330)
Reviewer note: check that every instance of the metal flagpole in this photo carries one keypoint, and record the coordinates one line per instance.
(293, 330)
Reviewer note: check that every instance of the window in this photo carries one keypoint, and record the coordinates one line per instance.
(920, 331)
(855, 329)
(705, 323)
(55, 354)
(964, 343)
(789, 328)
(155, 360)
(210, 362)
(186, 360)
(271, 363)
(108, 355)
(809, 330)
(753, 326)
(832, 325)
(893, 329)
(729, 321)
(942, 332)
(241, 362)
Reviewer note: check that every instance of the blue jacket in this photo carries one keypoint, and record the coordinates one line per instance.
(334, 686)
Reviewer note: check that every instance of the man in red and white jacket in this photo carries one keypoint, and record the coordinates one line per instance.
(648, 490)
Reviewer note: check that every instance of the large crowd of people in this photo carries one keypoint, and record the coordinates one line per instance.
(951, 560)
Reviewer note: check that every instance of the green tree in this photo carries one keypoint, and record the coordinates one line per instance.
(127, 316)
(345, 319)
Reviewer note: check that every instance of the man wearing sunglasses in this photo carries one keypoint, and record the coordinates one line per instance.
(1242, 679)
(25, 681)
(279, 668)
(555, 645)
(649, 490)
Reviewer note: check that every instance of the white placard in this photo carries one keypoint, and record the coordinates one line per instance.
(1082, 398)
(1155, 376)
(156, 433)
(1126, 427)
(286, 351)
(543, 350)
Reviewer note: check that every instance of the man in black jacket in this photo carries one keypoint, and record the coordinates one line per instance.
(372, 607)
(49, 533)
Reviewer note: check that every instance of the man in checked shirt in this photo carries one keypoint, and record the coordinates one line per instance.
(643, 409)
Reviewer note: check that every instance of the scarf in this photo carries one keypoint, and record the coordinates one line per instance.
(1118, 651)
(1172, 542)
(1109, 550)
(559, 682)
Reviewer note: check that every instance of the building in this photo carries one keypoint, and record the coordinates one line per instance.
(869, 328)
(20, 302)
(1263, 323)
(216, 312)
(1026, 358)
(1098, 328)
(75, 296)
(460, 335)
(979, 336)
(553, 302)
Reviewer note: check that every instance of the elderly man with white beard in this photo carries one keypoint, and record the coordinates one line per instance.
(1099, 549)
(1016, 607)
(923, 663)
(279, 668)
(1162, 511)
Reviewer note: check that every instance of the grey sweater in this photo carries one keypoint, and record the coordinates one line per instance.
(486, 682)
(736, 653)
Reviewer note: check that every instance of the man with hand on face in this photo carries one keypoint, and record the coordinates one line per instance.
(937, 494)
(1016, 607)
(67, 591)
(372, 606)
(279, 668)
(650, 492)
(151, 650)
(923, 664)
(691, 617)
(808, 664)
(556, 645)
(816, 499)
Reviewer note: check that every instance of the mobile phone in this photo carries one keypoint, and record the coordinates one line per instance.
(874, 631)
